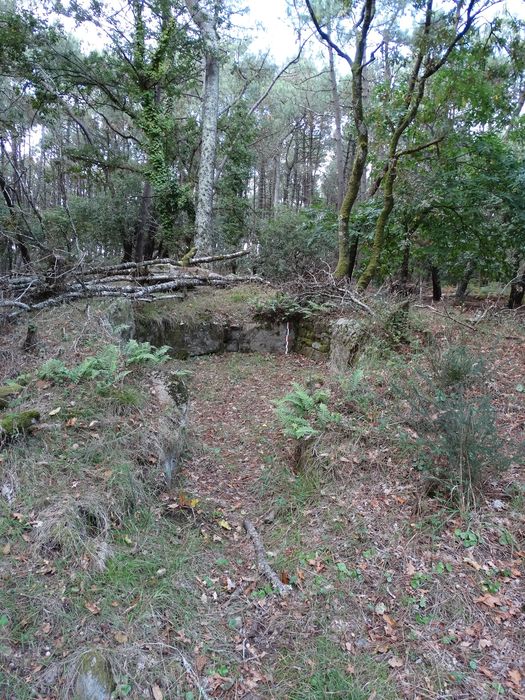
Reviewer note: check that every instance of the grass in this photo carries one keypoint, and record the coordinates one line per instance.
(328, 672)
(386, 596)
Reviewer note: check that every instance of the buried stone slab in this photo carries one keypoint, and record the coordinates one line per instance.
(94, 679)
(184, 338)
(169, 440)
(277, 339)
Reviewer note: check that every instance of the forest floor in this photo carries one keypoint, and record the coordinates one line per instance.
(394, 593)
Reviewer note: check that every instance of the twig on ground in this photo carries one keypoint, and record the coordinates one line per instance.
(446, 315)
(262, 562)
(192, 673)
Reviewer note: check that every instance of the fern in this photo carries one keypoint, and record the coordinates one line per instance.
(144, 353)
(303, 414)
(54, 370)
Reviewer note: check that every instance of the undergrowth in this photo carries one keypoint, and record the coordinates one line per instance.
(457, 438)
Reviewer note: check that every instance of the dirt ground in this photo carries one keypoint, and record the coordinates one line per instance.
(395, 593)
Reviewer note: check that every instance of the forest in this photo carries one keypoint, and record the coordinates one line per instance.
(262, 349)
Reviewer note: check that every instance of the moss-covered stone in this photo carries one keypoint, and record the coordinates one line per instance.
(13, 424)
(94, 680)
(178, 389)
(8, 393)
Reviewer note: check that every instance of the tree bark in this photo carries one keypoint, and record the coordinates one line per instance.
(210, 114)
(346, 256)
(142, 221)
(338, 137)
(517, 288)
(404, 273)
(461, 289)
(436, 283)
(382, 221)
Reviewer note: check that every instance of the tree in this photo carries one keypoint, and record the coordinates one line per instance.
(205, 15)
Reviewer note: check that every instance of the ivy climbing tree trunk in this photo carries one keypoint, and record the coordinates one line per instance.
(206, 20)
(150, 66)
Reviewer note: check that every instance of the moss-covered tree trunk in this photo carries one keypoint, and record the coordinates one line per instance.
(381, 224)
(462, 286)
(347, 253)
(426, 64)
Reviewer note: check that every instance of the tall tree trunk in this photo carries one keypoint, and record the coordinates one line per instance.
(210, 115)
(461, 289)
(436, 283)
(338, 136)
(381, 224)
(142, 221)
(346, 256)
(517, 288)
(22, 247)
(404, 272)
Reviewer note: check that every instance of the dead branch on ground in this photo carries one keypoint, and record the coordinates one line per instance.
(262, 562)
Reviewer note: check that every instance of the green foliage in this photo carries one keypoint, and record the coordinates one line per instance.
(452, 413)
(106, 366)
(283, 307)
(295, 242)
(144, 353)
(304, 414)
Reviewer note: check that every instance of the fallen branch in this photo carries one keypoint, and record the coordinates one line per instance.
(162, 261)
(262, 562)
(94, 290)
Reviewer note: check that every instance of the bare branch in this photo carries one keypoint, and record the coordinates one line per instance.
(326, 37)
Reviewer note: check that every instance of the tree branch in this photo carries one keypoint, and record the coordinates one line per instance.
(326, 37)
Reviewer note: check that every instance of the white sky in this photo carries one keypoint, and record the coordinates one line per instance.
(277, 34)
(271, 28)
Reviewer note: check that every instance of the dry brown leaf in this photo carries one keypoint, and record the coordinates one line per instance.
(489, 600)
(157, 692)
(200, 663)
(410, 569)
(93, 608)
(6, 549)
(395, 662)
(120, 637)
(484, 644)
(472, 562)
(389, 621)
(515, 676)
(71, 423)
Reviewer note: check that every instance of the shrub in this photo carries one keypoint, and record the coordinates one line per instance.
(283, 307)
(303, 239)
(455, 423)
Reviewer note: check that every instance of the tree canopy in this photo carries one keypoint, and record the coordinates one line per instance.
(389, 145)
